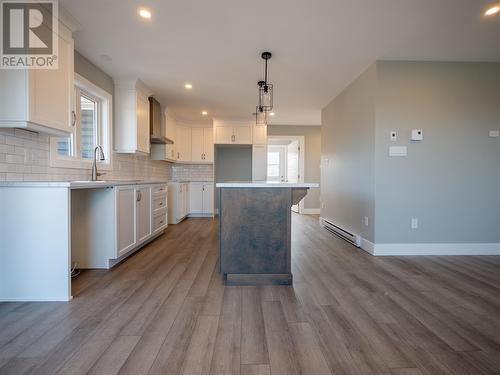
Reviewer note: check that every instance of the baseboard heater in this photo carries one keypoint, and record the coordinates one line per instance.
(342, 233)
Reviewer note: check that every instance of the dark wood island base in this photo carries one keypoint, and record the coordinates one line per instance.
(255, 232)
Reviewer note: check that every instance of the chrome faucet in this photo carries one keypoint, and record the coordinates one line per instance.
(94, 165)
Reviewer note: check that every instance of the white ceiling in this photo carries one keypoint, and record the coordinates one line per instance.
(318, 46)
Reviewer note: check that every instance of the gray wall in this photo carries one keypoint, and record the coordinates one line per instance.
(450, 181)
(233, 163)
(312, 157)
(348, 149)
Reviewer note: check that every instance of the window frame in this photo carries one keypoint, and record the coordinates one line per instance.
(104, 130)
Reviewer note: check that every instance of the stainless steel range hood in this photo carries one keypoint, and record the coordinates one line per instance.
(155, 123)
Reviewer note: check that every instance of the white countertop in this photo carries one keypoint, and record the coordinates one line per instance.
(78, 184)
(266, 184)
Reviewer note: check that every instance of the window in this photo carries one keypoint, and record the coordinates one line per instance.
(91, 127)
(273, 164)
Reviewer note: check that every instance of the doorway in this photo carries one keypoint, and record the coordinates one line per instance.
(285, 161)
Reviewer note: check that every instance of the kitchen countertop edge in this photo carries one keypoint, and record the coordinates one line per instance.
(77, 184)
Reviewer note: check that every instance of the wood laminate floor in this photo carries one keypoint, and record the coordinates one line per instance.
(166, 311)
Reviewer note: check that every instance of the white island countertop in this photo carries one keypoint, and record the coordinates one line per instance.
(78, 184)
(266, 184)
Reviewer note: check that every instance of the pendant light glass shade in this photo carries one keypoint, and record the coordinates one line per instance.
(260, 116)
(266, 96)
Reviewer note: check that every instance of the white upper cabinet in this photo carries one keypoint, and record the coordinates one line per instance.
(131, 116)
(40, 99)
(259, 134)
(183, 143)
(202, 145)
(232, 133)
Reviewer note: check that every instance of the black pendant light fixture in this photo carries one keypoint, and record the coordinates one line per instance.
(265, 88)
(260, 116)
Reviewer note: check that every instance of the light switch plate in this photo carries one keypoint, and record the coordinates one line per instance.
(398, 151)
(414, 223)
(494, 133)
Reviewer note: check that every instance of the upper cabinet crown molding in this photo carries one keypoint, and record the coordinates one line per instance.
(40, 99)
(132, 133)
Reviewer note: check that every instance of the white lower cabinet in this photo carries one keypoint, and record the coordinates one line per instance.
(178, 201)
(141, 212)
(126, 220)
(190, 199)
(201, 198)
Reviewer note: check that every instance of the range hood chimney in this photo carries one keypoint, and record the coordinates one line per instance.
(155, 123)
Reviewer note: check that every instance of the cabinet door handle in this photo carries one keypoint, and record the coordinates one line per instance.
(178, 156)
(138, 198)
(73, 115)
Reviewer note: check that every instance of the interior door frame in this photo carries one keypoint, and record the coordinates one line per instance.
(302, 152)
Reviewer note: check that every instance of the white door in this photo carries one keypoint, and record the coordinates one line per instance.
(126, 218)
(276, 163)
(208, 198)
(242, 135)
(197, 144)
(208, 145)
(196, 198)
(143, 198)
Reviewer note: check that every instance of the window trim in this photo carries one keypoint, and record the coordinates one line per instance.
(105, 115)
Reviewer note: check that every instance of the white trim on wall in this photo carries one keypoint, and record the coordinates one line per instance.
(415, 249)
(302, 172)
(311, 211)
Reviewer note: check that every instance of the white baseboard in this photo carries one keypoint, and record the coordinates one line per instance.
(436, 249)
(311, 211)
(35, 299)
(367, 246)
(408, 249)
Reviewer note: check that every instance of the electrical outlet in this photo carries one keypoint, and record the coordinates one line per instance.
(366, 221)
(414, 223)
(393, 136)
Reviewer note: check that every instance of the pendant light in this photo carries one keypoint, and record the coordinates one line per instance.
(260, 116)
(265, 88)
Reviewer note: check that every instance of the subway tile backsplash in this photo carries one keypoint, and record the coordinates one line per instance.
(192, 172)
(24, 156)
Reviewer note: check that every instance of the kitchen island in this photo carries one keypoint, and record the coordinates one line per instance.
(255, 231)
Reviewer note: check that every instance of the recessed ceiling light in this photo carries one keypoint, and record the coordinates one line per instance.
(271, 113)
(188, 86)
(204, 113)
(493, 10)
(144, 13)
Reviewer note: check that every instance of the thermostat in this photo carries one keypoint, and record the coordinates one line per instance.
(417, 135)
